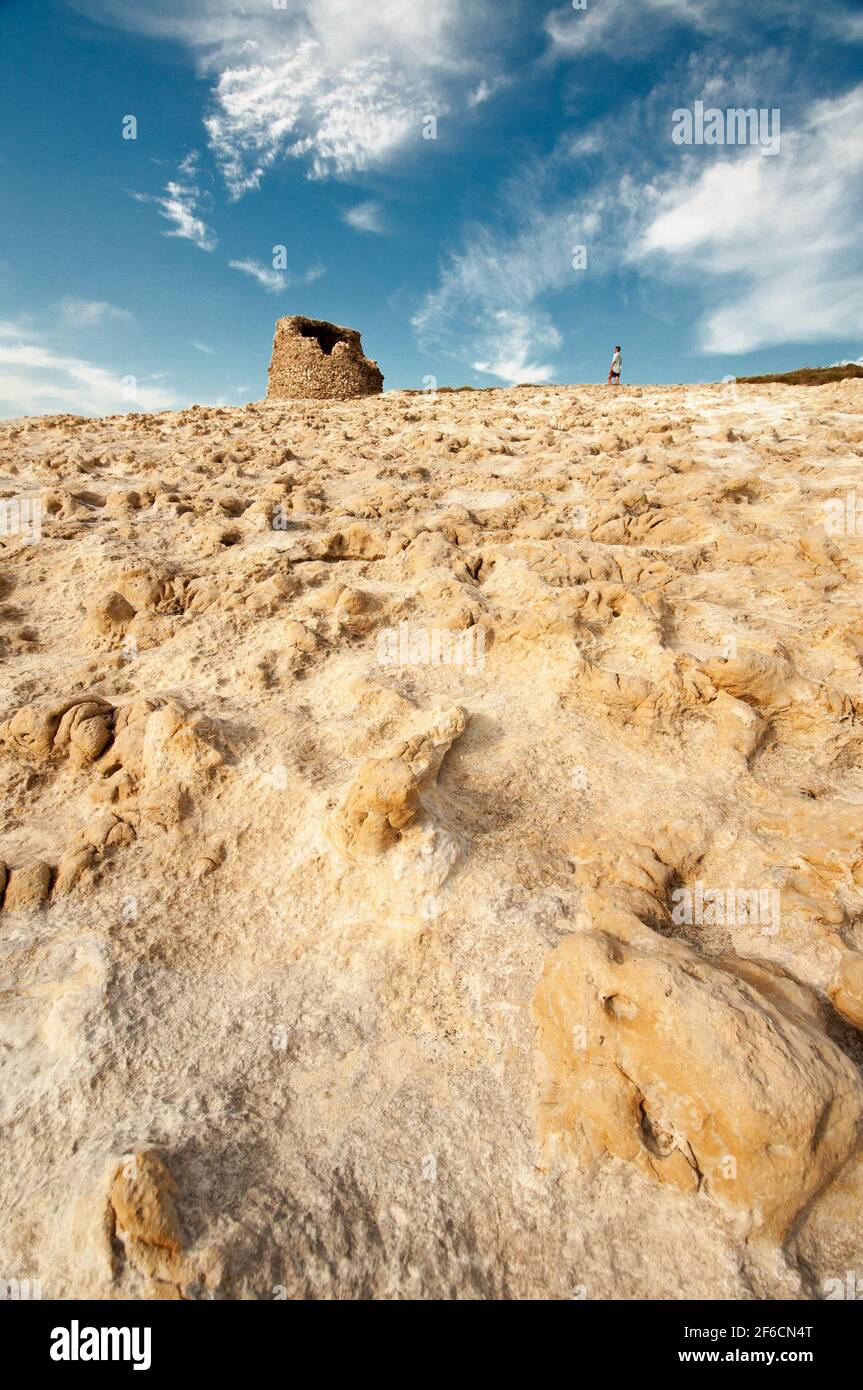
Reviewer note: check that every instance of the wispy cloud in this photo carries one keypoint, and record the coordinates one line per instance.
(365, 217)
(202, 347)
(344, 121)
(34, 379)
(847, 26)
(772, 246)
(622, 29)
(340, 85)
(275, 281)
(271, 280)
(488, 308)
(768, 250)
(515, 339)
(89, 313)
(179, 205)
(485, 89)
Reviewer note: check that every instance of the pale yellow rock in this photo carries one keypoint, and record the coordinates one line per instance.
(87, 729)
(143, 1197)
(382, 800)
(143, 1200)
(72, 866)
(302, 903)
(847, 992)
(110, 614)
(829, 1238)
(640, 1045)
(29, 733)
(27, 887)
(384, 797)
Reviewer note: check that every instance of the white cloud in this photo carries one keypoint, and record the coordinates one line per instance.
(773, 243)
(275, 281)
(344, 120)
(768, 249)
(487, 309)
(89, 313)
(36, 380)
(514, 337)
(202, 347)
(343, 86)
(485, 89)
(365, 217)
(845, 26)
(178, 204)
(622, 28)
(617, 26)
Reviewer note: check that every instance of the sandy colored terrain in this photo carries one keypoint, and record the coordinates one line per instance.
(433, 830)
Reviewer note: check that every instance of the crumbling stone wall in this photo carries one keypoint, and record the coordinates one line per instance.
(320, 360)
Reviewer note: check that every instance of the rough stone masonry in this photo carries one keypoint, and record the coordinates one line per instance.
(319, 360)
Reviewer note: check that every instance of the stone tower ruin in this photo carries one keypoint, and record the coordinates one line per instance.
(319, 360)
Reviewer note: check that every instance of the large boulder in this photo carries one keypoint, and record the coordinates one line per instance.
(715, 1077)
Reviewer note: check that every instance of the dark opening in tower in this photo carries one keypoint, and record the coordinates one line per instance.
(326, 335)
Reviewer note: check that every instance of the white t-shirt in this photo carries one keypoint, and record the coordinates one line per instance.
(616, 362)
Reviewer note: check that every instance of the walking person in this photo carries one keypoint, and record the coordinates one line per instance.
(616, 364)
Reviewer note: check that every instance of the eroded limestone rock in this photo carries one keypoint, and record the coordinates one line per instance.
(692, 1072)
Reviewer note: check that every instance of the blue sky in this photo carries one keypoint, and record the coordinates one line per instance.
(139, 273)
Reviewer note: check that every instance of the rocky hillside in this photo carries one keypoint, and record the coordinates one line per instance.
(432, 830)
